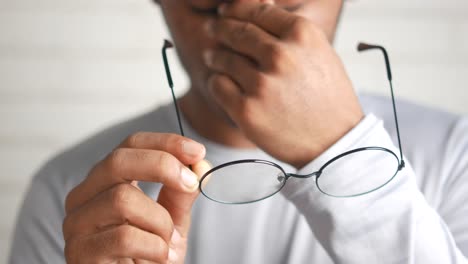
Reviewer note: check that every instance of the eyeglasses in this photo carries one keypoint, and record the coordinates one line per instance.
(252, 180)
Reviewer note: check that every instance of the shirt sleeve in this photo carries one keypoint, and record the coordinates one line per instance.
(38, 237)
(393, 224)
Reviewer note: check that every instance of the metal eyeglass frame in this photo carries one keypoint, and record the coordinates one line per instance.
(401, 162)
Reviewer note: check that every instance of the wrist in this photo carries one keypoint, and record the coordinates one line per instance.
(330, 134)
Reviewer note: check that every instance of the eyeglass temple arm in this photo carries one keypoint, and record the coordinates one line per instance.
(168, 44)
(365, 47)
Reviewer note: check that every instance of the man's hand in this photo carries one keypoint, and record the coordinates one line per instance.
(110, 220)
(280, 80)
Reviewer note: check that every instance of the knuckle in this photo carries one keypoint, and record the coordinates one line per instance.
(126, 240)
(240, 32)
(141, 154)
(300, 29)
(165, 141)
(121, 197)
(68, 201)
(261, 80)
(124, 237)
(261, 83)
(115, 159)
(175, 142)
(171, 142)
(80, 250)
(261, 11)
(166, 223)
(161, 249)
(72, 251)
(277, 55)
(67, 226)
(245, 28)
(217, 80)
(169, 165)
(132, 140)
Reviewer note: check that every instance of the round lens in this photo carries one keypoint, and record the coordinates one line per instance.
(358, 172)
(243, 181)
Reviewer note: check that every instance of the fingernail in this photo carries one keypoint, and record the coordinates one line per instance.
(189, 179)
(175, 239)
(222, 9)
(208, 164)
(208, 57)
(191, 148)
(172, 256)
(209, 27)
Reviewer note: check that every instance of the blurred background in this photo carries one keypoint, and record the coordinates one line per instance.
(70, 68)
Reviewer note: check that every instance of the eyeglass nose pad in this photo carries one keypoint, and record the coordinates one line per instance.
(280, 177)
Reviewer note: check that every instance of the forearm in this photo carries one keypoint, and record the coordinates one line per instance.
(391, 225)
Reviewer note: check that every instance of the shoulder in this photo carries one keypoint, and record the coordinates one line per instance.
(418, 124)
(410, 115)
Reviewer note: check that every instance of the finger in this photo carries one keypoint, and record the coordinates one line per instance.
(121, 242)
(270, 18)
(237, 67)
(226, 93)
(139, 261)
(126, 165)
(243, 37)
(203, 4)
(116, 206)
(179, 204)
(186, 150)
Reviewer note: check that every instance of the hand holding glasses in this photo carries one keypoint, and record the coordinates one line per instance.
(252, 180)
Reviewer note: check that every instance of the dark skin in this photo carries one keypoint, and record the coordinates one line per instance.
(277, 72)
(263, 75)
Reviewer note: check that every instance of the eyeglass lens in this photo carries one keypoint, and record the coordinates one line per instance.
(243, 182)
(356, 174)
(349, 175)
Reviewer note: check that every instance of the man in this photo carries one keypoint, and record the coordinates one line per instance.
(265, 83)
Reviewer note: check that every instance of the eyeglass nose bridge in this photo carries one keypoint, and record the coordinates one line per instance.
(315, 174)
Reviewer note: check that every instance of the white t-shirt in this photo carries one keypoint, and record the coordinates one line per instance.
(419, 217)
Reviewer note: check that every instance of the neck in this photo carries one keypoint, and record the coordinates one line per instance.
(211, 124)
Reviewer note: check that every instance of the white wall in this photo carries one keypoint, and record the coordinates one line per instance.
(69, 68)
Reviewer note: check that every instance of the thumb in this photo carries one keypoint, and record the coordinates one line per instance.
(179, 204)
